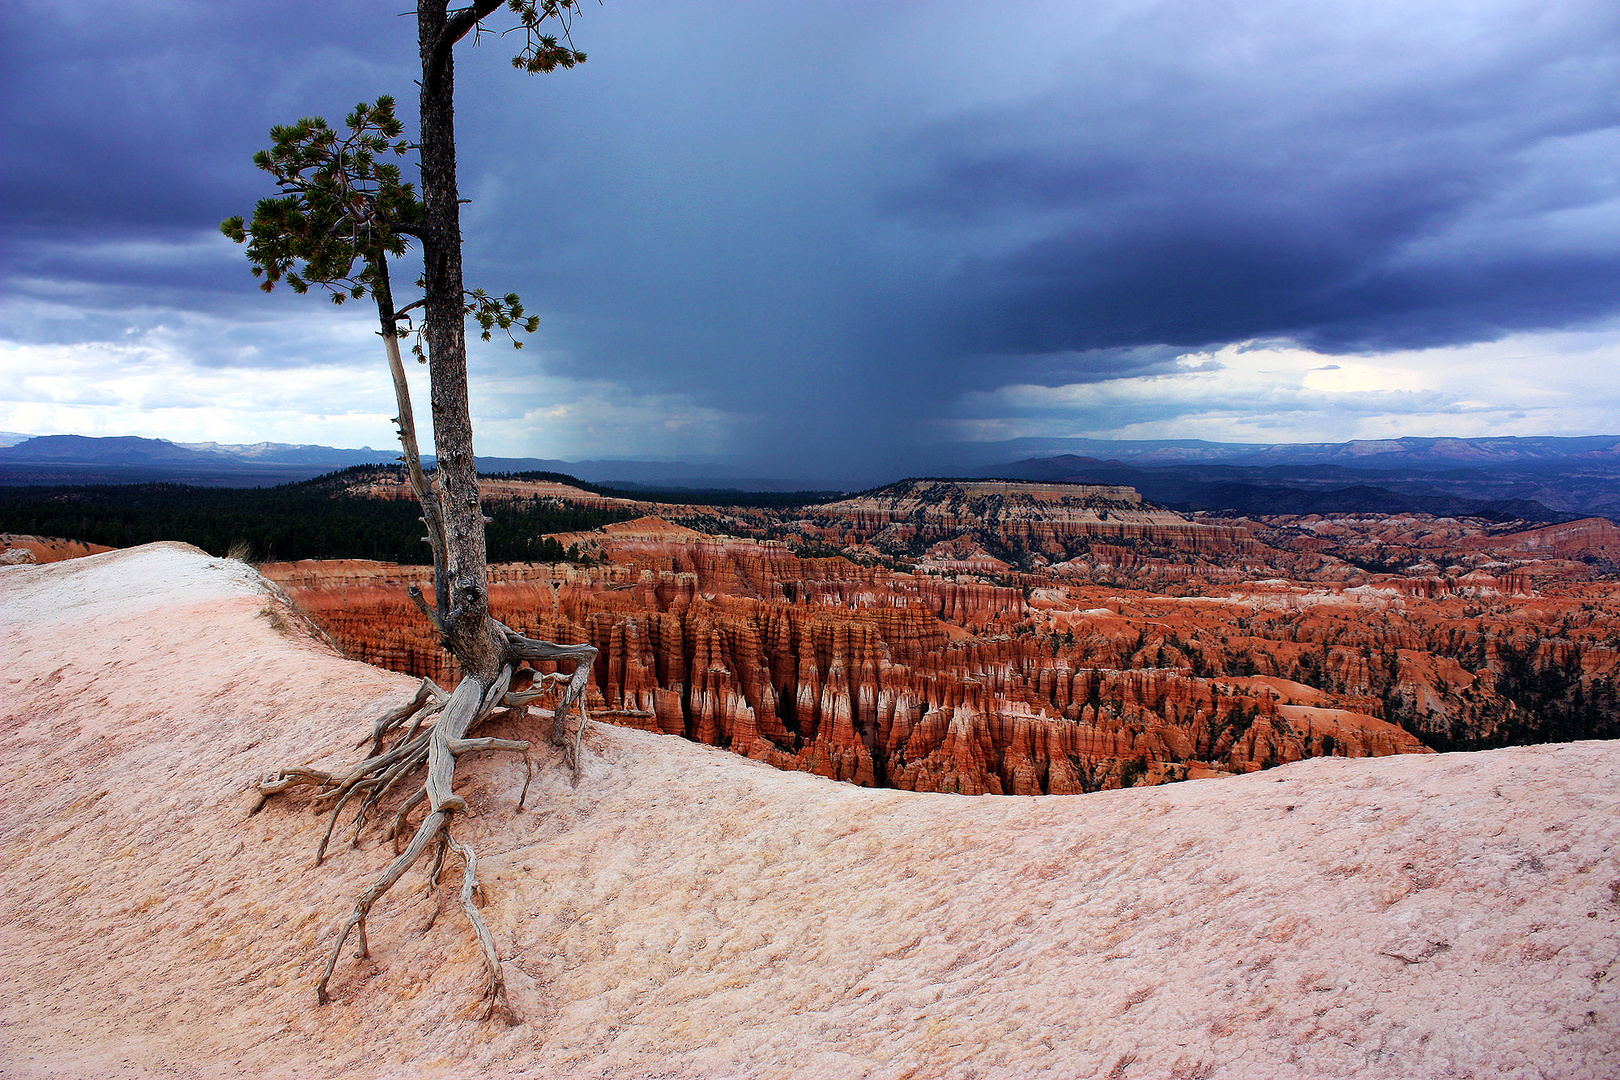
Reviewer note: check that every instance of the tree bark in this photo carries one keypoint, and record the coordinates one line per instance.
(487, 651)
(467, 631)
(426, 494)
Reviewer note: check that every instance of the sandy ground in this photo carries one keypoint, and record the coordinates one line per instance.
(686, 913)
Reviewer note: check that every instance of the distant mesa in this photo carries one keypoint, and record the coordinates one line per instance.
(1024, 524)
(916, 493)
(1409, 452)
(1530, 483)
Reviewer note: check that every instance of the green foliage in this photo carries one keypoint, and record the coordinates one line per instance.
(308, 520)
(1132, 770)
(339, 204)
(342, 212)
(1227, 730)
(1556, 702)
(501, 312)
(555, 477)
(542, 52)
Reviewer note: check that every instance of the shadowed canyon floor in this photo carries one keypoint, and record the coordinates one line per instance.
(688, 913)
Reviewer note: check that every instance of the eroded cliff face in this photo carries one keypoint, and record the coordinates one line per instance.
(866, 674)
(1022, 524)
(1173, 649)
(17, 549)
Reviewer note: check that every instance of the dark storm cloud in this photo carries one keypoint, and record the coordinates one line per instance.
(128, 134)
(1350, 194)
(1195, 286)
(831, 221)
(139, 116)
(1062, 368)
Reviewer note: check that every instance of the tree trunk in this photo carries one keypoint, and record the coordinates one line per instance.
(488, 652)
(426, 495)
(467, 630)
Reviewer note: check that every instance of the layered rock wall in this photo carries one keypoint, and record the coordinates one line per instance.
(852, 672)
(1022, 522)
(1256, 643)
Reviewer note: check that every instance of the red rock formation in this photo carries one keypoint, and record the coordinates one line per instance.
(1168, 648)
(391, 484)
(854, 672)
(17, 549)
(1596, 537)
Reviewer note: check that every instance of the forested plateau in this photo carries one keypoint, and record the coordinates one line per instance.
(331, 517)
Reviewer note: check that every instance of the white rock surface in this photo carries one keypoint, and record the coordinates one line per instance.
(686, 913)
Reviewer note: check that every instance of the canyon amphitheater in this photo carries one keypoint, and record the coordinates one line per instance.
(684, 912)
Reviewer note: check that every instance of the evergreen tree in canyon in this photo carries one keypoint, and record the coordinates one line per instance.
(341, 213)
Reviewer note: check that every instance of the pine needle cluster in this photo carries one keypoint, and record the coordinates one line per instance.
(341, 211)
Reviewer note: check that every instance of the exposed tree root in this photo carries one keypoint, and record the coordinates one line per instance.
(435, 735)
(495, 989)
(425, 735)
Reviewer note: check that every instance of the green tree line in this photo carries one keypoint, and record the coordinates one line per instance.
(293, 521)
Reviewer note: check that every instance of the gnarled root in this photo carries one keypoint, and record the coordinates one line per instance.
(519, 647)
(495, 987)
(432, 826)
(435, 734)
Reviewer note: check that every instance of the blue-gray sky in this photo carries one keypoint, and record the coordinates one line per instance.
(815, 237)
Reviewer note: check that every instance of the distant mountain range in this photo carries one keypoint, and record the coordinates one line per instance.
(1406, 453)
(80, 459)
(1531, 488)
(127, 459)
(1533, 478)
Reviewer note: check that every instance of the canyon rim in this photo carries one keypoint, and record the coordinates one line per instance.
(687, 912)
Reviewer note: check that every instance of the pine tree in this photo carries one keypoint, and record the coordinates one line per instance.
(341, 212)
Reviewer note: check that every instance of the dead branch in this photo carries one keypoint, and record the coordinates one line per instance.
(427, 496)
(426, 694)
(533, 650)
